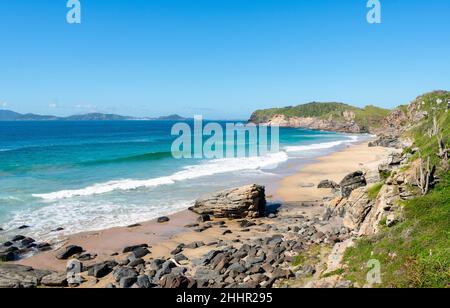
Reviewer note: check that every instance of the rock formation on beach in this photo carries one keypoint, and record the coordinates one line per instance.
(248, 201)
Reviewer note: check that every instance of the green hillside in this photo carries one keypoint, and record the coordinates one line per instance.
(369, 117)
(416, 252)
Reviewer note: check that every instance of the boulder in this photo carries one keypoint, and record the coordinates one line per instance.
(328, 184)
(68, 252)
(55, 280)
(242, 202)
(351, 182)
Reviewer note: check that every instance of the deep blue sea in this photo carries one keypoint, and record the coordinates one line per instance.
(86, 176)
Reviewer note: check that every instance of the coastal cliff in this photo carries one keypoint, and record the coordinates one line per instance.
(336, 117)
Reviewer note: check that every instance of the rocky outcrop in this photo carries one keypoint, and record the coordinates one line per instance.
(18, 276)
(328, 184)
(247, 201)
(346, 126)
(351, 182)
(357, 207)
(387, 142)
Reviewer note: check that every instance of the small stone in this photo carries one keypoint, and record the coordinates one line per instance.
(23, 227)
(226, 232)
(163, 219)
(58, 229)
(134, 247)
(134, 226)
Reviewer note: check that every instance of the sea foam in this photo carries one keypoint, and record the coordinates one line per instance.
(208, 168)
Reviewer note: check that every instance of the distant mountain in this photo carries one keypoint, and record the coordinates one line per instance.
(8, 115)
(98, 117)
(172, 117)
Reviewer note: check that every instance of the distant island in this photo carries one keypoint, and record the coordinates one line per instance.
(8, 115)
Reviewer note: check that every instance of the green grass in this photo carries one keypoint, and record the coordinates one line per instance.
(374, 190)
(337, 272)
(416, 252)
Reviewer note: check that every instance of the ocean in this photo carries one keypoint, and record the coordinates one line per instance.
(86, 176)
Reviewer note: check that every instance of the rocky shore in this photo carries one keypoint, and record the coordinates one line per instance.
(238, 240)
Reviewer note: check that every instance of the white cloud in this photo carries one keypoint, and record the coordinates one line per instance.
(4, 104)
(53, 105)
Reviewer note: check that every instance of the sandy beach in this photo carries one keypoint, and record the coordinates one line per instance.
(298, 192)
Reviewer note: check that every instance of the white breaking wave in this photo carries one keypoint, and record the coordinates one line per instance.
(190, 172)
(320, 146)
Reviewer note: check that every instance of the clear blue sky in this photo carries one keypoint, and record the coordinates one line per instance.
(219, 58)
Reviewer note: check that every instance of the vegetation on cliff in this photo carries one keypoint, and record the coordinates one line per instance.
(416, 251)
(370, 117)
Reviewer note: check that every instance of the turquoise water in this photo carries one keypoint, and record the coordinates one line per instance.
(93, 175)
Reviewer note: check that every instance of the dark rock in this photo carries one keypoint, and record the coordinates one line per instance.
(191, 226)
(180, 257)
(354, 180)
(87, 257)
(68, 252)
(8, 244)
(140, 252)
(246, 224)
(178, 249)
(134, 247)
(18, 238)
(58, 229)
(136, 262)
(166, 269)
(127, 282)
(226, 232)
(134, 226)
(23, 227)
(144, 282)
(43, 247)
(163, 219)
(242, 202)
(27, 241)
(156, 264)
(328, 184)
(8, 256)
(195, 245)
(123, 272)
(100, 270)
(204, 218)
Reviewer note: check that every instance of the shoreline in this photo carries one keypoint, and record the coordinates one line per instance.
(163, 237)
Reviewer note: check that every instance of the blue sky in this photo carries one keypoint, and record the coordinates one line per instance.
(219, 58)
